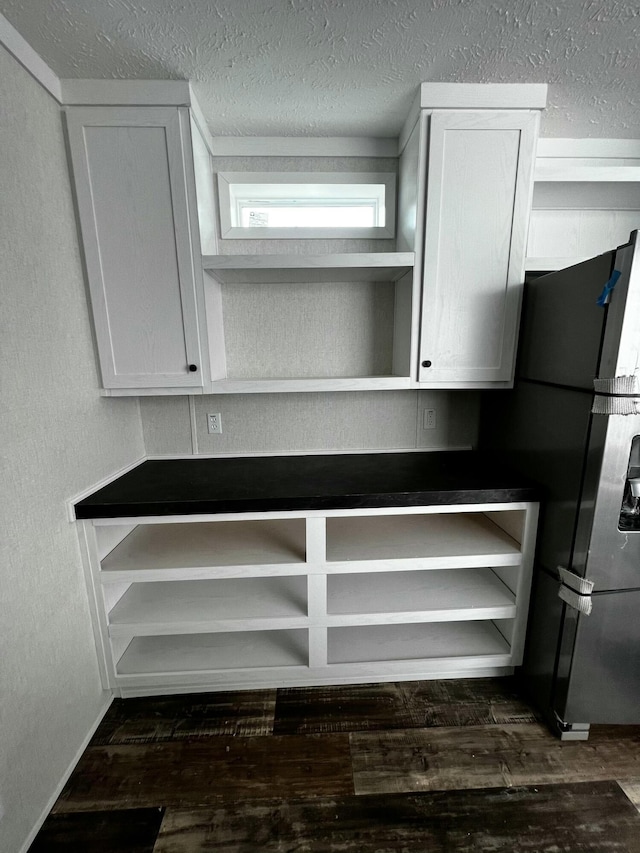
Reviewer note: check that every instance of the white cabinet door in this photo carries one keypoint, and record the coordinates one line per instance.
(130, 180)
(480, 178)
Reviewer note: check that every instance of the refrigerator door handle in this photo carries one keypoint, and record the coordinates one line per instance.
(575, 591)
(581, 603)
(575, 582)
(617, 396)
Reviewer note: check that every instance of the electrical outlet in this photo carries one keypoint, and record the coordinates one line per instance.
(428, 419)
(214, 423)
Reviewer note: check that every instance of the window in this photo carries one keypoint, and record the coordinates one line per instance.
(301, 205)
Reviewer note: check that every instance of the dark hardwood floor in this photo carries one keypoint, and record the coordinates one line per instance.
(412, 767)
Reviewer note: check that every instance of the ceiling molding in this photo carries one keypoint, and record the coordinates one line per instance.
(126, 93)
(410, 122)
(31, 61)
(483, 96)
(200, 120)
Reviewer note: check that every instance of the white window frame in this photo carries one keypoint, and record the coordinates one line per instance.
(226, 198)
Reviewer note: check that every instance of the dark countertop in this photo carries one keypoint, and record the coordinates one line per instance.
(275, 483)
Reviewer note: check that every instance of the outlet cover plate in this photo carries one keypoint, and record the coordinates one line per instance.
(428, 419)
(214, 423)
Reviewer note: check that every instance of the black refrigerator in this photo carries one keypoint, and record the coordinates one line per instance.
(572, 423)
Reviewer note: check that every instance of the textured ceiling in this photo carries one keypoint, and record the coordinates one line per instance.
(350, 67)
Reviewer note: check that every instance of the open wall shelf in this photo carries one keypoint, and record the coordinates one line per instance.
(586, 200)
(271, 269)
(309, 322)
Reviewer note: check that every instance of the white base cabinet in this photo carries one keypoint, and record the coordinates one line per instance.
(203, 603)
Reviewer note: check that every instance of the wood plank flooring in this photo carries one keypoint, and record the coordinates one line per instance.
(412, 767)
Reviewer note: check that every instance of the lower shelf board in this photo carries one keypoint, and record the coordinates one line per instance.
(202, 652)
(179, 604)
(454, 592)
(432, 641)
(459, 643)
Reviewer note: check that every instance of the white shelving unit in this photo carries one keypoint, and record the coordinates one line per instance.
(293, 598)
(340, 321)
(586, 200)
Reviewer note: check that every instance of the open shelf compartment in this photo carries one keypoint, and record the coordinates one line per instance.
(268, 317)
(166, 551)
(430, 541)
(573, 221)
(586, 200)
(212, 652)
(447, 595)
(431, 641)
(209, 605)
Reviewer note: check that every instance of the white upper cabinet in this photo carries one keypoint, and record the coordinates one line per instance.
(478, 197)
(438, 307)
(136, 200)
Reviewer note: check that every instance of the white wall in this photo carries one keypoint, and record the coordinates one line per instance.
(58, 437)
(281, 423)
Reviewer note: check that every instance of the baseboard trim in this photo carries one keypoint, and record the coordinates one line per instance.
(237, 454)
(108, 699)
